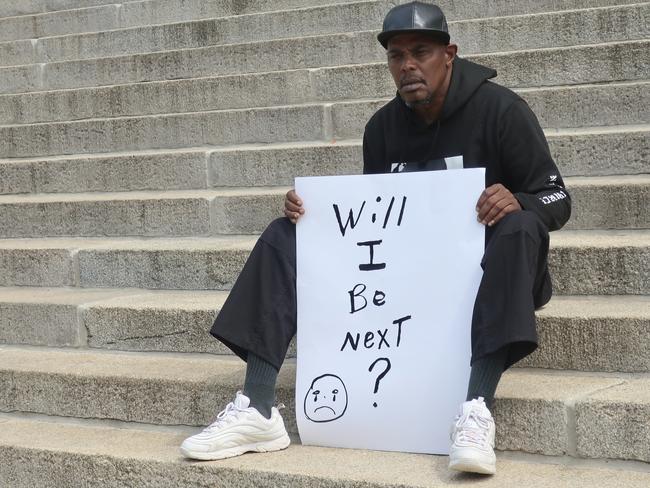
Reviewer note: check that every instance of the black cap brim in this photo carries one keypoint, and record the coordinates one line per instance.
(384, 37)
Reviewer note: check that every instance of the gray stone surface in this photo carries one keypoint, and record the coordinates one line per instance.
(563, 28)
(613, 423)
(62, 22)
(531, 412)
(185, 264)
(246, 212)
(174, 321)
(25, 266)
(44, 316)
(610, 202)
(532, 408)
(107, 215)
(612, 151)
(183, 130)
(594, 333)
(163, 11)
(26, 7)
(164, 390)
(15, 178)
(256, 166)
(598, 203)
(62, 454)
(171, 170)
(557, 66)
(17, 52)
(554, 108)
(600, 263)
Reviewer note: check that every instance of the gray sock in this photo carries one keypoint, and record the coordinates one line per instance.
(259, 385)
(485, 376)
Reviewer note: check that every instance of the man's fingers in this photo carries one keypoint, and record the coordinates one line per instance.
(293, 197)
(511, 207)
(487, 193)
(492, 206)
(293, 207)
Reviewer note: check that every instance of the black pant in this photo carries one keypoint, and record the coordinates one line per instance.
(260, 312)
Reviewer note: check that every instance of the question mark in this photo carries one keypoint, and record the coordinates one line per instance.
(381, 375)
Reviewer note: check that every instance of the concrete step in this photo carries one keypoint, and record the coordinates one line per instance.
(549, 66)
(590, 152)
(80, 453)
(582, 262)
(579, 106)
(122, 319)
(536, 411)
(610, 202)
(558, 107)
(271, 89)
(54, 18)
(28, 27)
(600, 262)
(564, 28)
(27, 7)
(167, 11)
(598, 203)
(150, 214)
(595, 333)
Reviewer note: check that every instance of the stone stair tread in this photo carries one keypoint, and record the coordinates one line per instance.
(641, 180)
(609, 180)
(592, 238)
(580, 63)
(185, 389)
(601, 238)
(228, 372)
(128, 243)
(116, 297)
(262, 90)
(612, 306)
(36, 198)
(280, 146)
(581, 306)
(90, 447)
(354, 16)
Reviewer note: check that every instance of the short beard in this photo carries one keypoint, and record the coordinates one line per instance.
(425, 101)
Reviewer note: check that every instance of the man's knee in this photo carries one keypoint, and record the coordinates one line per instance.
(523, 220)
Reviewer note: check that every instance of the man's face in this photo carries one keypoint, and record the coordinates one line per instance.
(419, 66)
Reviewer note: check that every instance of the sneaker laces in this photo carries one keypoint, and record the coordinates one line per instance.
(472, 428)
(230, 411)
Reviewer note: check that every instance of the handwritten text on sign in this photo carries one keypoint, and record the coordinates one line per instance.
(388, 267)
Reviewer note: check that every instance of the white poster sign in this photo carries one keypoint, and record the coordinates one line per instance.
(387, 272)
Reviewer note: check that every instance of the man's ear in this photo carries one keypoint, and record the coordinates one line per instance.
(450, 53)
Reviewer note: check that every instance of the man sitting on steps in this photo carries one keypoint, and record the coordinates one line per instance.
(446, 114)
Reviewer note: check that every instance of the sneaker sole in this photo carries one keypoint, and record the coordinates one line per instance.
(472, 466)
(267, 446)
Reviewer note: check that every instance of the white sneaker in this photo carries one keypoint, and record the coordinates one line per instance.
(237, 429)
(472, 436)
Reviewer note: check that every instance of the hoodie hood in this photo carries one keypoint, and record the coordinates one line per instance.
(466, 77)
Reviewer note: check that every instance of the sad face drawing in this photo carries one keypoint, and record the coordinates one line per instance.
(327, 399)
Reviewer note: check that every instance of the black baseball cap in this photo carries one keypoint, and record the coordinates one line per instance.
(415, 17)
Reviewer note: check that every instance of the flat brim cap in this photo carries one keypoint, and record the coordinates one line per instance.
(414, 18)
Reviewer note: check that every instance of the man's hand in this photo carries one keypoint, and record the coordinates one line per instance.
(293, 206)
(495, 203)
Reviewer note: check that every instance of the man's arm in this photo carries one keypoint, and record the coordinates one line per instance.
(529, 171)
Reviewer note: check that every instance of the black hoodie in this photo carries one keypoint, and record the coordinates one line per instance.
(489, 126)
